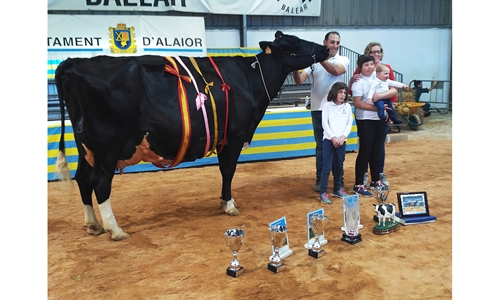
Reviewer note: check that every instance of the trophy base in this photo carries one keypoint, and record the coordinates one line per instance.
(234, 273)
(388, 228)
(351, 239)
(276, 268)
(316, 254)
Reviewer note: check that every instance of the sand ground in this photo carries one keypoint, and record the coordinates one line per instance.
(176, 249)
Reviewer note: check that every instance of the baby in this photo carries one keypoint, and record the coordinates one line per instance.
(381, 84)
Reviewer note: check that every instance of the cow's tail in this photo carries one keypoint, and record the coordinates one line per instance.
(62, 167)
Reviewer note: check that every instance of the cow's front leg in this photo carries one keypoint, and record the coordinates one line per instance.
(109, 222)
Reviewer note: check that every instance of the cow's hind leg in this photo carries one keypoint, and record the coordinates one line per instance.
(82, 177)
(228, 159)
(102, 178)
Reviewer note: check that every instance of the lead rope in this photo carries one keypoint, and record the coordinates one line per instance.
(262, 76)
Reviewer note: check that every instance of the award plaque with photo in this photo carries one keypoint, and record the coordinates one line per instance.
(310, 233)
(413, 208)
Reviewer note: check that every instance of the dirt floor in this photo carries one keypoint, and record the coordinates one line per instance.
(177, 250)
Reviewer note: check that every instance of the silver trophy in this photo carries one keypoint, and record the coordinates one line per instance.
(380, 193)
(278, 235)
(234, 239)
(351, 220)
(318, 224)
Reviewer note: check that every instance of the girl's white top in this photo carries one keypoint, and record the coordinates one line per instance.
(336, 120)
(361, 88)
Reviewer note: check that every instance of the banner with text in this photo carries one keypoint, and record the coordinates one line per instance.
(91, 35)
(235, 7)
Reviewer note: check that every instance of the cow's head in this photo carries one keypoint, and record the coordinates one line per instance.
(294, 53)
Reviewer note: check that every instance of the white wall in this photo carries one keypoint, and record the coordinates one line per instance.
(416, 53)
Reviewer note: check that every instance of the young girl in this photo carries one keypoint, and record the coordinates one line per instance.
(337, 123)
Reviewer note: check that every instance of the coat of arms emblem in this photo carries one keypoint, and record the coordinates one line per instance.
(122, 39)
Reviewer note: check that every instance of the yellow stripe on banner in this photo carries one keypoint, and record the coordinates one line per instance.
(282, 135)
(352, 141)
(56, 137)
(279, 148)
(52, 168)
(55, 152)
(285, 122)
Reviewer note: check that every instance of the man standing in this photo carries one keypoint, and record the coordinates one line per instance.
(324, 75)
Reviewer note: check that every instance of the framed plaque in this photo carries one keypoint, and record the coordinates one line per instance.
(413, 204)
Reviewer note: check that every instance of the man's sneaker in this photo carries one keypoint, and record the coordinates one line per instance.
(340, 193)
(323, 197)
(316, 186)
(383, 178)
(362, 191)
(365, 179)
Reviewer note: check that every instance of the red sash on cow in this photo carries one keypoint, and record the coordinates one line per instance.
(184, 107)
(226, 89)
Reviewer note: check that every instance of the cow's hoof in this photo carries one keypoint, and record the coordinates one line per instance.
(95, 229)
(120, 236)
(229, 207)
(223, 202)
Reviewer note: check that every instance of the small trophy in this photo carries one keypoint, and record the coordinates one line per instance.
(277, 234)
(384, 211)
(234, 239)
(318, 223)
(351, 220)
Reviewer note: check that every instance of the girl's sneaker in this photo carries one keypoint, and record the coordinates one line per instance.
(362, 191)
(323, 197)
(340, 193)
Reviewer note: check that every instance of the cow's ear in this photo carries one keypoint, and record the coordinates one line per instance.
(264, 45)
(278, 34)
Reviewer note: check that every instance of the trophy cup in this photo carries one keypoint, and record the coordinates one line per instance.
(277, 234)
(234, 239)
(318, 223)
(351, 220)
(384, 211)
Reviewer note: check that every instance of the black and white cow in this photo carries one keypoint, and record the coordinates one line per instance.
(385, 211)
(166, 110)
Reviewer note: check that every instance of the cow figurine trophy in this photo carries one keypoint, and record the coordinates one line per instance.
(384, 212)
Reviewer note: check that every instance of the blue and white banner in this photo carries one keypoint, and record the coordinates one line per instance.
(91, 35)
(236, 7)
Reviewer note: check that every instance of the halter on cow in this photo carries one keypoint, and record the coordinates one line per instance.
(146, 108)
